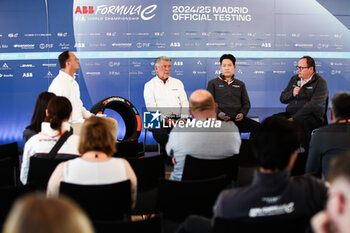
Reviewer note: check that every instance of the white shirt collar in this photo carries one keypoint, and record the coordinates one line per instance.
(66, 75)
(161, 81)
(46, 129)
(303, 82)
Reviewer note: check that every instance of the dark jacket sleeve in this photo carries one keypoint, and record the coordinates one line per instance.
(211, 89)
(314, 164)
(245, 101)
(317, 103)
(287, 95)
(218, 206)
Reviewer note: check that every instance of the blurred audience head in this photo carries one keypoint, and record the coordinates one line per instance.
(35, 213)
(97, 136)
(336, 217)
(276, 143)
(340, 106)
(202, 105)
(58, 110)
(39, 113)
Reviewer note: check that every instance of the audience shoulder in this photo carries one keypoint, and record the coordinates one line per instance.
(313, 184)
(213, 80)
(149, 82)
(32, 142)
(75, 137)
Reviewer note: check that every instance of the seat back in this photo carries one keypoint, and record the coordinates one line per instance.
(263, 224)
(7, 172)
(153, 225)
(129, 148)
(59, 156)
(40, 170)
(176, 200)
(247, 154)
(196, 169)
(8, 195)
(10, 150)
(101, 202)
(148, 171)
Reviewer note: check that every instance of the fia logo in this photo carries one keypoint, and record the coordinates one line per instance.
(152, 120)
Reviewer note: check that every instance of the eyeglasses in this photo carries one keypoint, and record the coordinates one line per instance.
(302, 68)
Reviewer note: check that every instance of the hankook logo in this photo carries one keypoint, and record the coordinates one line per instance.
(24, 46)
(93, 73)
(49, 64)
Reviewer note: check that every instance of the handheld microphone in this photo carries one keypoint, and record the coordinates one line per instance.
(298, 84)
(221, 114)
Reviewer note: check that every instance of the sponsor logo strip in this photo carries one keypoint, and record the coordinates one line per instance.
(173, 54)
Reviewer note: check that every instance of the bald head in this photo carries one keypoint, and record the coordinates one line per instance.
(202, 105)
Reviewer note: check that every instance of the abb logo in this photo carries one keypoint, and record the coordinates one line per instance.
(84, 10)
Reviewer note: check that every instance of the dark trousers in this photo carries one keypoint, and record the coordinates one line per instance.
(307, 124)
(247, 125)
(162, 136)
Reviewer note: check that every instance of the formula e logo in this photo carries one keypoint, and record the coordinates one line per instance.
(84, 10)
(152, 120)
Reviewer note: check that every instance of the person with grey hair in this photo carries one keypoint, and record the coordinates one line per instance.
(166, 95)
(331, 140)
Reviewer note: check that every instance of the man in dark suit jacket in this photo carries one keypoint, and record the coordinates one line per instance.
(331, 140)
(306, 95)
(231, 96)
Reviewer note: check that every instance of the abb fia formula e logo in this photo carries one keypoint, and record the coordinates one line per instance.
(136, 11)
